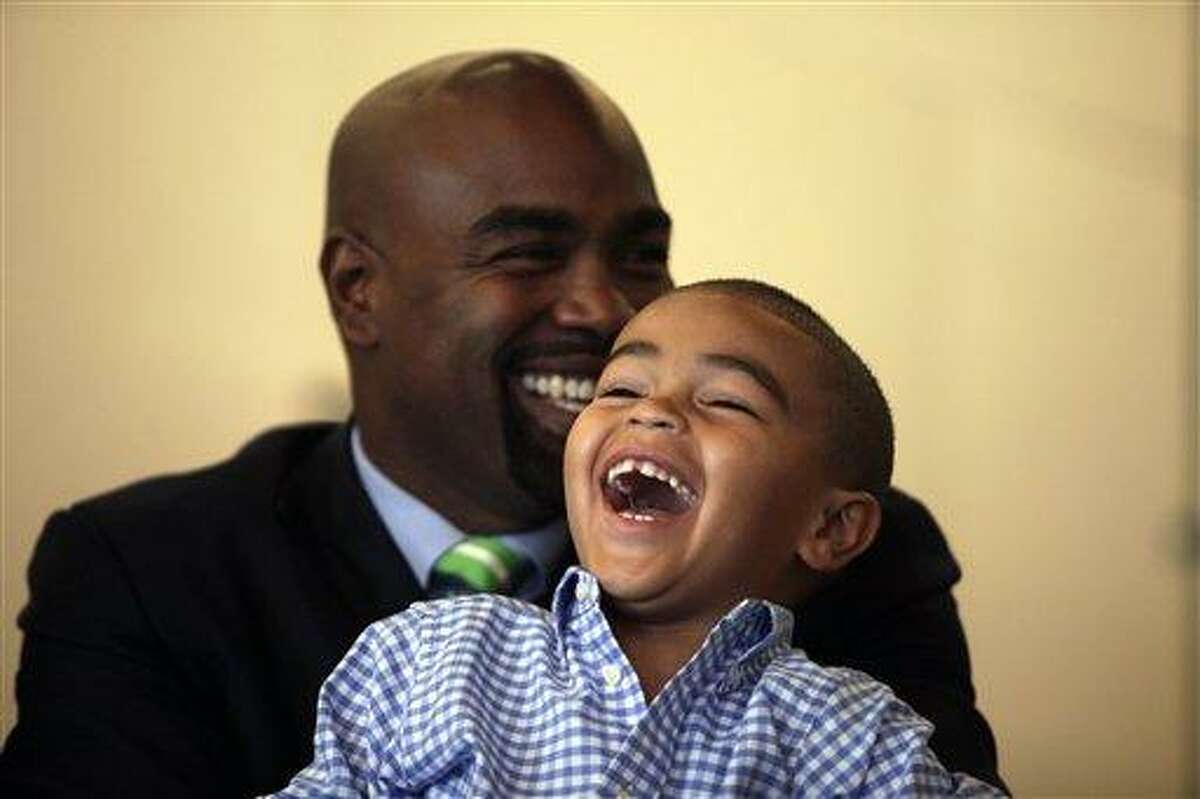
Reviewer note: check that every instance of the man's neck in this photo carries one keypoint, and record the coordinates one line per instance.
(463, 502)
(657, 650)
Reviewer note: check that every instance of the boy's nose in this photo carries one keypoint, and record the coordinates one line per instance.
(656, 415)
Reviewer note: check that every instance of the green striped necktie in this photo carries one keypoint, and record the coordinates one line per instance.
(479, 564)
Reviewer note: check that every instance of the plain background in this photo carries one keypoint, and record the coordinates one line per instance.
(994, 203)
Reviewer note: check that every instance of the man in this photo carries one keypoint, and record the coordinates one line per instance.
(492, 223)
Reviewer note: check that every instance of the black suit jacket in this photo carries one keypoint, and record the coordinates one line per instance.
(178, 630)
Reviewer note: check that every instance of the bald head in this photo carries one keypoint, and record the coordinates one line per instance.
(442, 105)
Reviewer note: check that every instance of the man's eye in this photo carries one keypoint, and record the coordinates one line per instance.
(650, 253)
(646, 259)
(541, 252)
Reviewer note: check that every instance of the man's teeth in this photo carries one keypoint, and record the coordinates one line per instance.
(571, 393)
(651, 470)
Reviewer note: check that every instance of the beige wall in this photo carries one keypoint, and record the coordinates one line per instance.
(994, 203)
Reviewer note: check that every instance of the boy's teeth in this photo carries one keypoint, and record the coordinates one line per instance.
(572, 392)
(650, 470)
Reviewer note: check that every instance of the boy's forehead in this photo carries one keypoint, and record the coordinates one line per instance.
(698, 317)
(678, 309)
(701, 322)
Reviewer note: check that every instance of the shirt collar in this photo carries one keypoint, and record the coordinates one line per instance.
(422, 534)
(738, 647)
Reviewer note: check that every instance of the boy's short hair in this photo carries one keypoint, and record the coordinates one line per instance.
(861, 443)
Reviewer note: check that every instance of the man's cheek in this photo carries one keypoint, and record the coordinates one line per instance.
(644, 292)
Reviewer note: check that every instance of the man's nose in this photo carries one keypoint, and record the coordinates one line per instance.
(590, 298)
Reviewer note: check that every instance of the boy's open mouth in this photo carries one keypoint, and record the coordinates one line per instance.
(643, 490)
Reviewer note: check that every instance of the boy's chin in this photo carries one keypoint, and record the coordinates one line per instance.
(625, 590)
(644, 597)
(666, 610)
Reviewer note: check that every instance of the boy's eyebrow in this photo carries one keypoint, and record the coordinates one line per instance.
(636, 348)
(748, 366)
(722, 360)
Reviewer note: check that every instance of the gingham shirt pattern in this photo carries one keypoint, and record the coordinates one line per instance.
(489, 696)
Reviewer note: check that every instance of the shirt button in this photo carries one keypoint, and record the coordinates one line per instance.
(611, 674)
(583, 591)
(622, 794)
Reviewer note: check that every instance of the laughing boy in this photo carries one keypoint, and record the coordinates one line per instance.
(727, 468)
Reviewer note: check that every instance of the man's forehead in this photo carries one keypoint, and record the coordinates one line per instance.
(461, 136)
(479, 160)
(528, 128)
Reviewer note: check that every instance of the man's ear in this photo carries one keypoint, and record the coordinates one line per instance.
(351, 271)
(843, 531)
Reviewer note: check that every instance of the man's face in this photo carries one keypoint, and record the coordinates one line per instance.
(519, 240)
(692, 474)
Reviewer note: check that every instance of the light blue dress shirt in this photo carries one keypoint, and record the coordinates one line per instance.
(422, 534)
(488, 696)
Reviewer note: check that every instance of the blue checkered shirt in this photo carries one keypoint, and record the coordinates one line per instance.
(489, 696)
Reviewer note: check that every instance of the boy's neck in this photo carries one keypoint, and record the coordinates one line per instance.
(657, 650)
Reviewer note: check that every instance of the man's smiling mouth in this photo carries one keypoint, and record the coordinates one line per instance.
(568, 392)
(550, 382)
(551, 395)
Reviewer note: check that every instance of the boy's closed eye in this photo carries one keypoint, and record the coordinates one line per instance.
(724, 401)
(617, 392)
(729, 403)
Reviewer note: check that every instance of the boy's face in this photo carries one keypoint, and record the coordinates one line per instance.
(696, 470)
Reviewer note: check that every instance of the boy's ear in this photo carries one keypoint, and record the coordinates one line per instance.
(350, 271)
(845, 528)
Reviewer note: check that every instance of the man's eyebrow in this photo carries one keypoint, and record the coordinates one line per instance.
(510, 218)
(636, 348)
(647, 219)
(759, 373)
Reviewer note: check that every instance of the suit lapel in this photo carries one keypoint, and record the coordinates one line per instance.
(326, 501)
